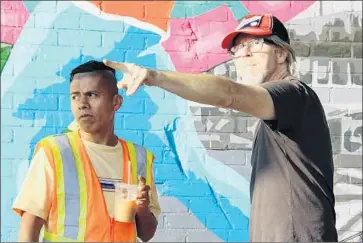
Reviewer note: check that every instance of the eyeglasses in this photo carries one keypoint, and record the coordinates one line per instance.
(252, 46)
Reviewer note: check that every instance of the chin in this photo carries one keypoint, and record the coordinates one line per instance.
(249, 80)
(86, 129)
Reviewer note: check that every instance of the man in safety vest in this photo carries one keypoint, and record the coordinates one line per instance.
(70, 185)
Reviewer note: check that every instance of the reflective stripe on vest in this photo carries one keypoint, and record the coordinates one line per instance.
(72, 188)
(49, 237)
(141, 162)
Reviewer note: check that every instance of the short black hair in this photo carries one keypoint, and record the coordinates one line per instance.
(98, 68)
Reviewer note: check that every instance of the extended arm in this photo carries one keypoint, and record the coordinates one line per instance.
(218, 91)
(202, 88)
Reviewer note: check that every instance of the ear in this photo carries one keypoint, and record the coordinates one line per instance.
(117, 102)
(281, 55)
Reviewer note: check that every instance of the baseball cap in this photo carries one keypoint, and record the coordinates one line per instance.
(259, 25)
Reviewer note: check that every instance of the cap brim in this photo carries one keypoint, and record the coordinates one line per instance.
(227, 41)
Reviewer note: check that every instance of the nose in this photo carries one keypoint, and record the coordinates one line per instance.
(245, 51)
(83, 103)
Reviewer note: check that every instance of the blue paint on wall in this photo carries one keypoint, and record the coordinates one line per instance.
(182, 185)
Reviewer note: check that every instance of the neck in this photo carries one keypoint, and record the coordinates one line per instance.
(104, 137)
(280, 74)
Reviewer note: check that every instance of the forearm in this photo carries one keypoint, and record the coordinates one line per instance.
(30, 227)
(202, 88)
(218, 91)
(146, 224)
(29, 236)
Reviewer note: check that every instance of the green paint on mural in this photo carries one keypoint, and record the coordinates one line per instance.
(189, 9)
(4, 55)
(67, 130)
(30, 5)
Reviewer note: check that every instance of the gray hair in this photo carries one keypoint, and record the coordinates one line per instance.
(291, 57)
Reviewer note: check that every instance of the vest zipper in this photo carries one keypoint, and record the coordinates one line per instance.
(93, 172)
(112, 229)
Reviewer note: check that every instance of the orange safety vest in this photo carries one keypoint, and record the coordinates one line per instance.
(78, 211)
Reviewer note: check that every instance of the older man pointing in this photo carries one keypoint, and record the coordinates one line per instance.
(292, 176)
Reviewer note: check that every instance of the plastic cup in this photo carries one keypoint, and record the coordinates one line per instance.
(125, 202)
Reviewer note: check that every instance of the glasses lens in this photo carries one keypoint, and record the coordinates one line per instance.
(256, 45)
(252, 46)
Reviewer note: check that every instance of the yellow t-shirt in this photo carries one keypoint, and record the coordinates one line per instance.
(35, 194)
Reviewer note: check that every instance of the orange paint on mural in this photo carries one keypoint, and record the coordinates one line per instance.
(153, 12)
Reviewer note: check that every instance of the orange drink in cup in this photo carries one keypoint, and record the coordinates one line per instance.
(125, 202)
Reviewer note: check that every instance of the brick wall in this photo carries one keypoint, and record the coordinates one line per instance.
(202, 165)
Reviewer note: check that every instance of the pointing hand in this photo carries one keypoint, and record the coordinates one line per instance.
(133, 76)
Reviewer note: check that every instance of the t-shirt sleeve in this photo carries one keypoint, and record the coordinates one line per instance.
(289, 98)
(35, 193)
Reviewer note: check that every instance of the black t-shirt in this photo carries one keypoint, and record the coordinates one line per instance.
(292, 170)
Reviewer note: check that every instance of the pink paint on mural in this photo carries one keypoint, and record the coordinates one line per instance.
(194, 44)
(283, 10)
(13, 17)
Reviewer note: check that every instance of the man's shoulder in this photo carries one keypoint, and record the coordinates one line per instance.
(134, 144)
(282, 84)
(291, 84)
(54, 136)
(291, 80)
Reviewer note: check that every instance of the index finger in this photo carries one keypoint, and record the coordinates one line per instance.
(142, 180)
(123, 67)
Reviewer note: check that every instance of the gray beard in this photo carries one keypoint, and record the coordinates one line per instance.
(249, 79)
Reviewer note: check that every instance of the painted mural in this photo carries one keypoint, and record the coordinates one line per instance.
(202, 166)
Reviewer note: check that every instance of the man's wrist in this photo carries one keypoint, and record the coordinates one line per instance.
(157, 77)
(142, 212)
